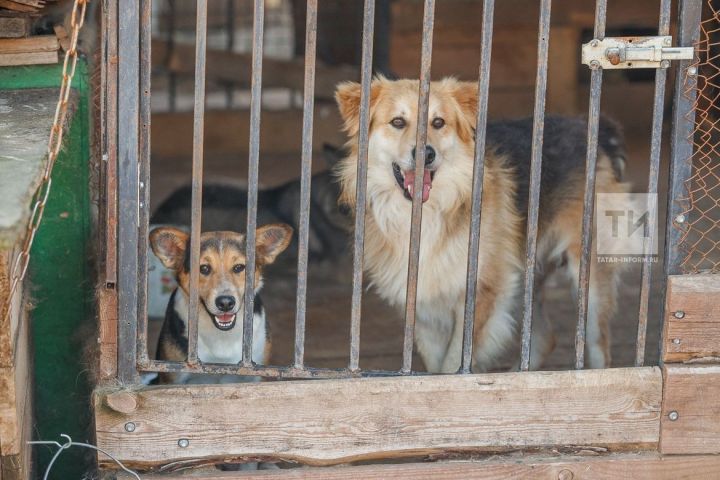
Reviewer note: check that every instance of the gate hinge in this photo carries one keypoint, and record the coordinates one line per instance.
(633, 52)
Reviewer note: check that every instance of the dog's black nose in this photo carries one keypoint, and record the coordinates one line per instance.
(225, 303)
(429, 154)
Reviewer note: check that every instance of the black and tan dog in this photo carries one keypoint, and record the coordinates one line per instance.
(221, 290)
(447, 195)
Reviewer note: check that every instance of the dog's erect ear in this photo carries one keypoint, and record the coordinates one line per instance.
(169, 246)
(270, 241)
(347, 97)
(466, 95)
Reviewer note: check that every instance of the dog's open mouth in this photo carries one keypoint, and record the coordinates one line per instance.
(406, 181)
(225, 321)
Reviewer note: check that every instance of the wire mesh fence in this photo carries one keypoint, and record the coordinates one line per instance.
(700, 222)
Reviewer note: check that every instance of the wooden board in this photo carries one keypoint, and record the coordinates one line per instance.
(329, 422)
(107, 330)
(228, 132)
(695, 336)
(694, 393)
(646, 466)
(232, 67)
(39, 43)
(33, 58)
(14, 27)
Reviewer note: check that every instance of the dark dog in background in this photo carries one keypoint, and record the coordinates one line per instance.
(224, 207)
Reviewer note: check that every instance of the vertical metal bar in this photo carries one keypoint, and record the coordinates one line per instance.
(683, 126)
(172, 78)
(535, 172)
(361, 188)
(197, 177)
(656, 139)
(589, 197)
(128, 113)
(144, 181)
(682, 134)
(305, 179)
(416, 219)
(229, 45)
(255, 106)
(477, 189)
(110, 116)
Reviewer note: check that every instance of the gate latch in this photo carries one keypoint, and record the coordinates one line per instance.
(633, 52)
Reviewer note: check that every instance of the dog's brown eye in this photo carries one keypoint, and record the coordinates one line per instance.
(238, 268)
(398, 122)
(205, 269)
(438, 123)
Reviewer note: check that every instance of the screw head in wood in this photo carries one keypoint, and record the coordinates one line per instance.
(676, 341)
(673, 416)
(679, 314)
(130, 427)
(565, 474)
(183, 443)
(680, 218)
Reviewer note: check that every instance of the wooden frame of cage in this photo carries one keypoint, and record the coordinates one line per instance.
(674, 409)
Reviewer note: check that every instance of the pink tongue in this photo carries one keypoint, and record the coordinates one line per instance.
(409, 183)
(225, 318)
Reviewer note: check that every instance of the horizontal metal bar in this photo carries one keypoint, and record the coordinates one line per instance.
(361, 188)
(477, 191)
(254, 159)
(197, 178)
(305, 179)
(535, 171)
(416, 218)
(261, 371)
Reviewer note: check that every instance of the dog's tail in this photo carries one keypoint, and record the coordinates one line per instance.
(612, 142)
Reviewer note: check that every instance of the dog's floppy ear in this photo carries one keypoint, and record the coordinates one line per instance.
(466, 95)
(347, 96)
(169, 246)
(271, 240)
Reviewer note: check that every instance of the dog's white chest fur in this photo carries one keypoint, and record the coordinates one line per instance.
(217, 346)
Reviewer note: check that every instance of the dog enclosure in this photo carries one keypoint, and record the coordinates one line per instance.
(630, 416)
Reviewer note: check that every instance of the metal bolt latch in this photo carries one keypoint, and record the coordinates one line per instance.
(633, 52)
(183, 443)
(673, 416)
(679, 314)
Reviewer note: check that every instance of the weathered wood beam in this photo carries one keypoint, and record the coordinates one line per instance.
(322, 423)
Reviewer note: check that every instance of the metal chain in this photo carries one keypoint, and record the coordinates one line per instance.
(19, 268)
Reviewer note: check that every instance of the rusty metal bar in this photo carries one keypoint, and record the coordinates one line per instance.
(109, 131)
(229, 45)
(305, 179)
(197, 178)
(655, 143)
(172, 77)
(477, 189)
(263, 371)
(361, 188)
(535, 172)
(255, 106)
(144, 180)
(128, 117)
(589, 197)
(416, 219)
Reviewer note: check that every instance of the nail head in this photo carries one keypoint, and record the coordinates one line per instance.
(673, 415)
(130, 427)
(183, 443)
(679, 314)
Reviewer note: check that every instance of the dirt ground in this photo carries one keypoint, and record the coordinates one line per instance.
(328, 310)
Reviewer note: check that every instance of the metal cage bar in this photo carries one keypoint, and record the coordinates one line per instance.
(477, 189)
(589, 197)
(655, 143)
(128, 117)
(416, 219)
(361, 188)
(305, 181)
(535, 172)
(255, 106)
(197, 179)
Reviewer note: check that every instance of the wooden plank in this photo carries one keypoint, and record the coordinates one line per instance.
(227, 132)
(645, 466)
(14, 27)
(33, 58)
(38, 43)
(692, 320)
(236, 68)
(329, 422)
(17, 7)
(107, 330)
(693, 392)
